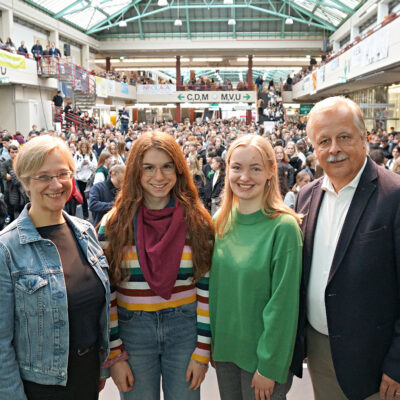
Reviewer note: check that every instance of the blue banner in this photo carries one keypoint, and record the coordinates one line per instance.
(124, 88)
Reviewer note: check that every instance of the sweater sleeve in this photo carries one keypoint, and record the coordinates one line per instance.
(202, 350)
(276, 343)
(116, 346)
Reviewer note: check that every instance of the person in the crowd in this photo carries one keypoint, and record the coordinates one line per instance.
(22, 49)
(255, 278)
(121, 148)
(6, 142)
(395, 157)
(103, 167)
(302, 178)
(396, 166)
(197, 176)
(349, 315)
(378, 157)
(215, 185)
(283, 173)
(54, 51)
(159, 241)
(282, 158)
(102, 194)
(116, 157)
(310, 165)
(10, 46)
(14, 193)
(58, 99)
(37, 51)
(294, 159)
(19, 138)
(86, 164)
(55, 291)
(124, 116)
(99, 146)
(301, 152)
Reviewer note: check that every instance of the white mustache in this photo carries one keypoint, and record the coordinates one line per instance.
(340, 157)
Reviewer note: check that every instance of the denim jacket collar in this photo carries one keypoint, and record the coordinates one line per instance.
(28, 233)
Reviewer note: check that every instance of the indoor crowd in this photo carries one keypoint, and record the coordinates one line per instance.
(196, 255)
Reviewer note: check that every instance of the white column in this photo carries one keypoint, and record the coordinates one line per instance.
(54, 37)
(7, 22)
(85, 56)
(354, 32)
(336, 46)
(383, 10)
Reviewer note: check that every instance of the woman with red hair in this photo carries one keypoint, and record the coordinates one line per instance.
(159, 246)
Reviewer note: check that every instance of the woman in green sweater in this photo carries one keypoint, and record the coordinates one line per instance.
(255, 278)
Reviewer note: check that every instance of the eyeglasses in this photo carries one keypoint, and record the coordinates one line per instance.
(166, 170)
(61, 177)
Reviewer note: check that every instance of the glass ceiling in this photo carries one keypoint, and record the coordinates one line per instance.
(93, 16)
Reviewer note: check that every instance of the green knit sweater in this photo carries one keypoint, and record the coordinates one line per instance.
(254, 293)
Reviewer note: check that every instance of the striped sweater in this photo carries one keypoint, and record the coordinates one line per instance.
(134, 294)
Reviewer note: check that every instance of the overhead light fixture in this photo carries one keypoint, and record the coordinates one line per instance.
(178, 21)
(289, 20)
(231, 22)
(122, 24)
(162, 3)
(228, 1)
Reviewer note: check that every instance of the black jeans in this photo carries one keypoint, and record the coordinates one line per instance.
(82, 187)
(82, 384)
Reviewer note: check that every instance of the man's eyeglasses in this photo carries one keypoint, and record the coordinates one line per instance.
(61, 177)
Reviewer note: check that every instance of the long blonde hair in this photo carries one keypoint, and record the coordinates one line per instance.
(271, 204)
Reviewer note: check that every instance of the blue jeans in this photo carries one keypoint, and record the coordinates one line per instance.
(159, 345)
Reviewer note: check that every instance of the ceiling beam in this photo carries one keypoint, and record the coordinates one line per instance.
(321, 24)
(65, 10)
(140, 23)
(300, 11)
(187, 20)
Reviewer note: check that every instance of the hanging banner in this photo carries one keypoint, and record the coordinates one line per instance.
(124, 88)
(10, 60)
(101, 87)
(156, 89)
(314, 82)
(110, 87)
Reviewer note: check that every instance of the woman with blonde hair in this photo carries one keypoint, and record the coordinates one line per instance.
(160, 241)
(112, 148)
(302, 178)
(55, 289)
(255, 277)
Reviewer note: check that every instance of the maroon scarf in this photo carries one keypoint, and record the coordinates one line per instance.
(160, 238)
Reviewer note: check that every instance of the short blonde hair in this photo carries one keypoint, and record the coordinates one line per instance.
(33, 154)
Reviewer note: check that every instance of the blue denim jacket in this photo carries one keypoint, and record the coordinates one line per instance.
(34, 328)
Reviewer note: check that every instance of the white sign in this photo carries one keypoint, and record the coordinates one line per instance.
(216, 97)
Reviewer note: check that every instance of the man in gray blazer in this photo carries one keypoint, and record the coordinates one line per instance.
(349, 324)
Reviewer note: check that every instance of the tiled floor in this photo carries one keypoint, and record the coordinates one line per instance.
(301, 389)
